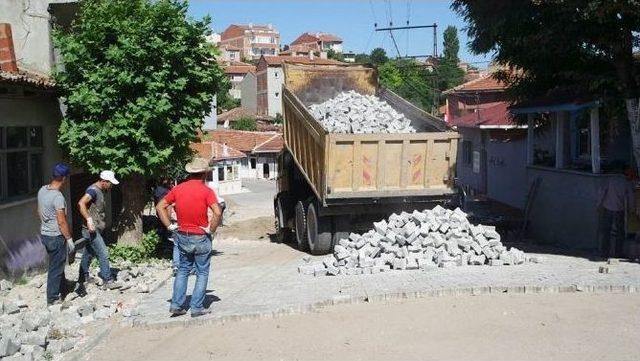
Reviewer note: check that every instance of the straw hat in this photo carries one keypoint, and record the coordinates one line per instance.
(197, 165)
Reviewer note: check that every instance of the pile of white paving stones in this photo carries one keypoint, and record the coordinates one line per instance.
(31, 330)
(435, 237)
(351, 112)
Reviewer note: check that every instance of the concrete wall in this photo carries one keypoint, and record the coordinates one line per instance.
(29, 21)
(564, 209)
(275, 79)
(465, 170)
(502, 159)
(249, 93)
(210, 120)
(268, 159)
(19, 219)
(506, 167)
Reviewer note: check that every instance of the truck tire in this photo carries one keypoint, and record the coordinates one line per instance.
(318, 232)
(301, 227)
(282, 232)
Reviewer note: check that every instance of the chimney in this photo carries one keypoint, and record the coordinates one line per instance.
(7, 54)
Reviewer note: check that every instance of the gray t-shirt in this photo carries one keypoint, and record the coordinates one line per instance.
(50, 201)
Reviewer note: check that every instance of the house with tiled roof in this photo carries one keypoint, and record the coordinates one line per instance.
(270, 77)
(253, 40)
(260, 148)
(491, 159)
(319, 41)
(236, 72)
(30, 116)
(225, 162)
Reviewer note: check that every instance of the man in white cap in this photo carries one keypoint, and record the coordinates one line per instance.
(92, 208)
(191, 200)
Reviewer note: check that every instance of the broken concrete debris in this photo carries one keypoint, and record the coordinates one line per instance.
(351, 112)
(435, 237)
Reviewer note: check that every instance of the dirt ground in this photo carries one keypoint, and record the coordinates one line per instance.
(498, 327)
(252, 229)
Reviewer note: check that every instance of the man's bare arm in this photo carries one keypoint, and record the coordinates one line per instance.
(163, 212)
(61, 217)
(216, 218)
(83, 207)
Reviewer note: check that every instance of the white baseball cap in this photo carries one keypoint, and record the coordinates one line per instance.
(108, 175)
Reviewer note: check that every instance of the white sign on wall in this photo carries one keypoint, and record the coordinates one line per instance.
(476, 162)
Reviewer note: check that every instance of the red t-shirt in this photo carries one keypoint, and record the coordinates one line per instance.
(192, 200)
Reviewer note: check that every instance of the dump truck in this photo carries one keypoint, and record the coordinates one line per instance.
(332, 184)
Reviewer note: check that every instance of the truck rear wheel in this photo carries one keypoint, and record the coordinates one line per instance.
(301, 227)
(318, 231)
(282, 232)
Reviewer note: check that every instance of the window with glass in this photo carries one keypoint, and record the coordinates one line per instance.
(21, 164)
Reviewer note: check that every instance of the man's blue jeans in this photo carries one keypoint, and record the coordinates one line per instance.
(194, 250)
(95, 248)
(57, 250)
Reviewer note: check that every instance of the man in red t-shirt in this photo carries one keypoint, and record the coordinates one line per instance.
(191, 201)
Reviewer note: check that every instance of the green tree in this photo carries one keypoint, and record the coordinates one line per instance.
(245, 123)
(332, 54)
(451, 44)
(138, 79)
(410, 80)
(449, 73)
(363, 58)
(378, 56)
(584, 46)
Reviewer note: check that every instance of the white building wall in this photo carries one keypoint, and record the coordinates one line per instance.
(29, 21)
(249, 93)
(18, 219)
(275, 79)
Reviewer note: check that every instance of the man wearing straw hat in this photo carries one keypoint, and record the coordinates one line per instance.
(191, 200)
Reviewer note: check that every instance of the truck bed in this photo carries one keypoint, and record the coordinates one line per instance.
(361, 167)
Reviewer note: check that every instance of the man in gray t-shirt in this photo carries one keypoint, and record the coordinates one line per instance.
(54, 231)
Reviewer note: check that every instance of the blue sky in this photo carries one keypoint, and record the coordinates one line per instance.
(352, 20)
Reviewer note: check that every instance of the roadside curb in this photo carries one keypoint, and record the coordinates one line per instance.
(104, 330)
(92, 342)
(347, 299)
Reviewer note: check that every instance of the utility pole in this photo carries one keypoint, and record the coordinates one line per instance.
(435, 34)
(391, 28)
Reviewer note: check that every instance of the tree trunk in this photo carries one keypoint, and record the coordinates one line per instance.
(129, 226)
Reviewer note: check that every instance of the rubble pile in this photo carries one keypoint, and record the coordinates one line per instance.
(351, 112)
(437, 237)
(31, 330)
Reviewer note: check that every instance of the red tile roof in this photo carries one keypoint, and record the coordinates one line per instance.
(237, 30)
(496, 116)
(215, 151)
(248, 142)
(484, 83)
(27, 78)
(271, 145)
(235, 114)
(310, 37)
(239, 68)
(278, 60)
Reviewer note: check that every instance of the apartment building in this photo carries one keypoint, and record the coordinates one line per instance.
(252, 40)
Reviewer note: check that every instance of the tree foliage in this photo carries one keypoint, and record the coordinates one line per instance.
(581, 45)
(378, 56)
(138, 79)
(449, 73)
(245, 123)
(332, 54)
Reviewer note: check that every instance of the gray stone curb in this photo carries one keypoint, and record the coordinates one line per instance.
(103, 331)
(346, 299)
(76, 354)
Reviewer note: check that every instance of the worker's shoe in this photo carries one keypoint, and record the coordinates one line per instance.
(177, 311)
(200, 313)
